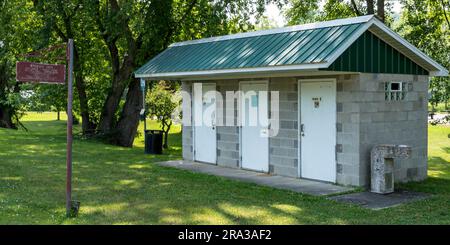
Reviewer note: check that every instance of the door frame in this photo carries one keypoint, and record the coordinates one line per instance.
(193, 123)
(299, 99)
(266, 82)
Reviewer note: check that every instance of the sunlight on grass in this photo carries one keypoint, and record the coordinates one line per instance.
(138, 166)
(287, 208)
(17, 178)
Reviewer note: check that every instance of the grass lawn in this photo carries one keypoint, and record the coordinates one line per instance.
(122, 186)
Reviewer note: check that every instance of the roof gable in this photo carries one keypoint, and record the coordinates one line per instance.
(370, 54)
(308, 47)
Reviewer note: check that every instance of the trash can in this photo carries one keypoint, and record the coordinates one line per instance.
(153, 141)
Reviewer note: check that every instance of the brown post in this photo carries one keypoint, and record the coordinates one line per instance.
(69, 130)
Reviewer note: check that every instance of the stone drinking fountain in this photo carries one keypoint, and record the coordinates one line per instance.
(382, 166)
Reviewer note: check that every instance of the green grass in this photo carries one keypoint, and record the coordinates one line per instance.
(123, 186)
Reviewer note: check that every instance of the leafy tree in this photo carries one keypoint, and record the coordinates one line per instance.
(424, 24)
(8, 103)
(17, 30)
(49, 97)
(112, 39)
(161, 105)
(135, 31)
(71, 19)
(304, 11)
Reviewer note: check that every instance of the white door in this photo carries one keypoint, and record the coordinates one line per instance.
(204, 122)
(254, 126)
(318, 129)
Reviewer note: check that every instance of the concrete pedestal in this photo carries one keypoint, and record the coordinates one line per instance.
(382, 166)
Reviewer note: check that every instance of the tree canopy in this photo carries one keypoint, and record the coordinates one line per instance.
(113, 38)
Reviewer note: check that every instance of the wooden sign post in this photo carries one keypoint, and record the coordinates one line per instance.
(69, 134)
(55, 74)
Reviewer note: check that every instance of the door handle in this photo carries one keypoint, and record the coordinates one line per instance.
(302, 129)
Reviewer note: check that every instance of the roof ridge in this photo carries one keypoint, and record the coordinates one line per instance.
(308, 26)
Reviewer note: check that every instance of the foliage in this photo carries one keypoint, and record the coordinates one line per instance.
(305, 11)
(48, 97)
(16, 31)
(423, 24)
(161, 104)
(113, 38)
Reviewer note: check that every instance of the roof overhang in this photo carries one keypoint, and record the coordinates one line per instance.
(235, 72)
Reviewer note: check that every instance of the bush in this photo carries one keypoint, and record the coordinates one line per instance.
(161, 103)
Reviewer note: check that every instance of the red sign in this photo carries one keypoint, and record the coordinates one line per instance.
(41, 73)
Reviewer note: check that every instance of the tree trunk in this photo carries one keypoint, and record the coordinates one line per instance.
(380, 10)
(109, 109)
(6, 118)
(370, 7)
(166, 130)
(355, 8)
(58, 115)
(86, 124)
(6, 112)
(166, 136)
(121, 75)
(129, 118)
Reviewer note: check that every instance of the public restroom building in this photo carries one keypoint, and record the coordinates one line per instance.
(343, 86)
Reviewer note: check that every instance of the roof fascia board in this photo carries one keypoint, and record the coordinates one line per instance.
(338, 22)
(236, 71)
(298, 73)
(439, 73)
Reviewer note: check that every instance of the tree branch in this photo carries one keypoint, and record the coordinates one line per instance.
(370, 7)
(445, 13)
(355, 8)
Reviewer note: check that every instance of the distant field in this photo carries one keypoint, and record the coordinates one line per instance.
(439, 108)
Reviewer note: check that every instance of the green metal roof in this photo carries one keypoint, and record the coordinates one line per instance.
(311, 46)
(297, 47)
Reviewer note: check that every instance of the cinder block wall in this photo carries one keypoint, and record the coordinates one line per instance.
(394, 122)
(283, 148)
(347, 127)
(227, 136)
(364, 119)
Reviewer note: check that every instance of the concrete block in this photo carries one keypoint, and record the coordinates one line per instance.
(285, 171)
(286, 124)
(228, 162)
(286, 152)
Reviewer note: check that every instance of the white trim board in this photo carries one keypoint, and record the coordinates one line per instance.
(286, 68)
